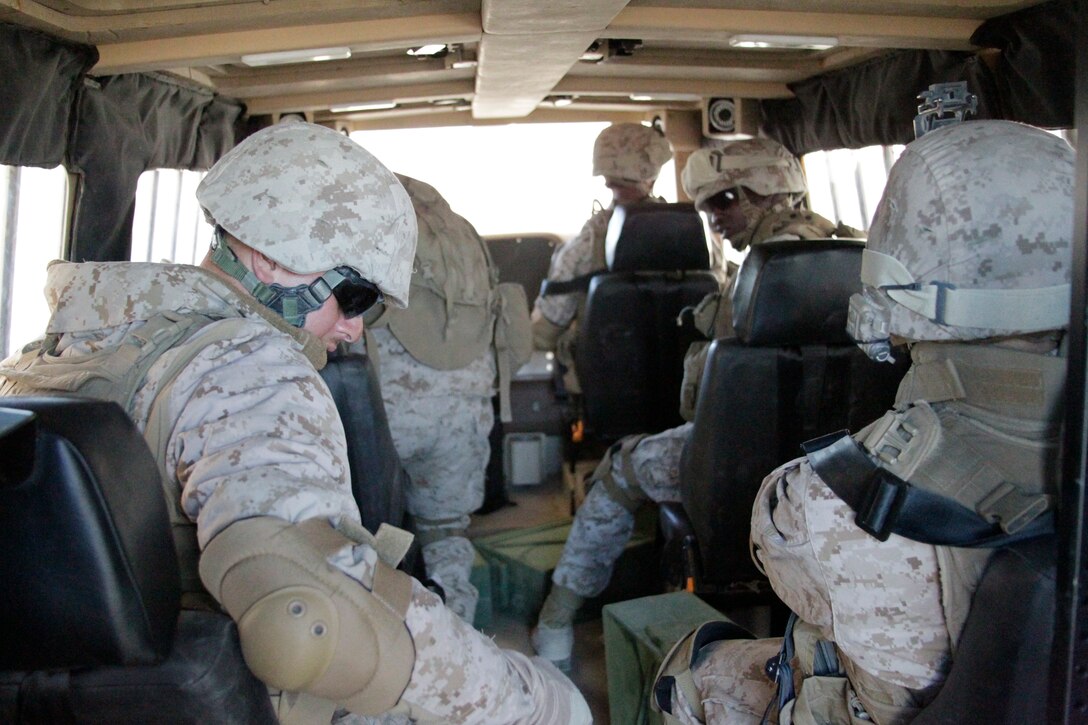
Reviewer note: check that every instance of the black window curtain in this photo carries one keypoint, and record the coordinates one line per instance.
(1035, 70)
(40, 78)
(1030, 81)
(108, 129)
(874, 103)
(130, 123)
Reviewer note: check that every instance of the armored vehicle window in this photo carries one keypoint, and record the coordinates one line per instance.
(32, 212)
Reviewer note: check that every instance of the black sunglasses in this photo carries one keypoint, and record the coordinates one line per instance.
(355, 294)
(721, 200)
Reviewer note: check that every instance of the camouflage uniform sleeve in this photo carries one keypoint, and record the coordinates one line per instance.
(573, 258)
(879, 601)
(256, 434)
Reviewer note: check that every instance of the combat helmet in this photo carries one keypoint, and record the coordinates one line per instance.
(630, 151)
(758, 164)
(313, 200)
(971, 240)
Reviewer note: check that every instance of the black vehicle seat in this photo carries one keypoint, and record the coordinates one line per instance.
(378, 480)
(790, 375)
(1001, 664)
(524, 259)
(93, 629)
(630, 351)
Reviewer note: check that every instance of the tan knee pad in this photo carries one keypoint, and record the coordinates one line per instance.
(304, 625)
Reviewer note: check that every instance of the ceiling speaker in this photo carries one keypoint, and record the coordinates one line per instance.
(721, 115)
(730, 117)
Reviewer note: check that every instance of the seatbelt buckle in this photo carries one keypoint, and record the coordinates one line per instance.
(880, 508)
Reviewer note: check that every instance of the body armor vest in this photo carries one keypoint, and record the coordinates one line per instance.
(116, 374)
(977, 426)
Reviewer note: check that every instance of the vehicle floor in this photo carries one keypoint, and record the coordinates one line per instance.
(532, 506)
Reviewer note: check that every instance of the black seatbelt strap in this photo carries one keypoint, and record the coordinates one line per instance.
(885, 504)
(578, 284)
(780, 671)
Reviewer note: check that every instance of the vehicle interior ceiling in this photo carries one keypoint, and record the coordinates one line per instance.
(488, 62)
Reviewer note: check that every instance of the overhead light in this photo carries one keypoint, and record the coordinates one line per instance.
(448, 102)
(433, 50)
(595, 53)
(664, 97)
(283, 57)
(374, 106)
(561, 101)
(458, 59)
(790, 42)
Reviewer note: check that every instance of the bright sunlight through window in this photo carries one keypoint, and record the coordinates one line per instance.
(507, 179)
(31, 230)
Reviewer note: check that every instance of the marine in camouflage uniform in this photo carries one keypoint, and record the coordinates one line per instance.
(981, 211)
(440, 419)
(254, 447)
(750, 190)
(629, 156)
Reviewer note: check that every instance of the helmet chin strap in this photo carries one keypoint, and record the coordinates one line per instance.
(291, 303)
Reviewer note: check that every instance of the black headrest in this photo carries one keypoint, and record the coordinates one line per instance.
(651, 236)
(796, 292)
(523, 259)
(88, 563)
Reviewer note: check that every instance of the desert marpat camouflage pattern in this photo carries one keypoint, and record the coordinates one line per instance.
(264, 190)
(438, 394)
(783, 222)
(603, 526)
(630, 151)
(240, 407)
(257, 434)
(461, 676)
(895, 609)
(732, 684)
(928, 218)
(760, 164)
(440, 421)
(780, 223)
(581, 255)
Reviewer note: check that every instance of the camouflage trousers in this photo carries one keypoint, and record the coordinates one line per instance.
(734, 688)
(603, 525)
(443, 444)
(461, 676)
(731, 683)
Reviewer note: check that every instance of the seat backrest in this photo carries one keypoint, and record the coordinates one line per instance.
(84, 530)
(378, 480)
(790, 375)
(630, 352)
(523, 258)
(93, 630)
(1001, 664)
(652, 236)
